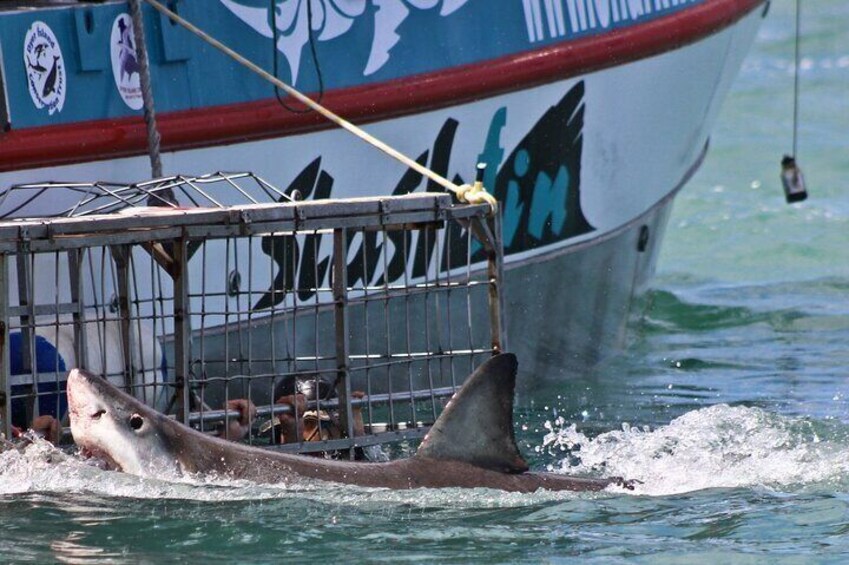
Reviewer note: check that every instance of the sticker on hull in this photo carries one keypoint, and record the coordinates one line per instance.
(45, 68)
(125, 63)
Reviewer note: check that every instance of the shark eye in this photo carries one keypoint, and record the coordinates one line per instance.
(136, 421)
(98, 414)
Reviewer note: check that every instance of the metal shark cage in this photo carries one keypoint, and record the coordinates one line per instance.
(366, 314)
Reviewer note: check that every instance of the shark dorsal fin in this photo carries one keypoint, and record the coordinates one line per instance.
(477, 425)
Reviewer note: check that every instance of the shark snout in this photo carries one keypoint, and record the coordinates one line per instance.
(78, 392)
(89, 416)
(85, 405)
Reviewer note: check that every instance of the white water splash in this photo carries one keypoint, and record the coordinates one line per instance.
(716, 447)
(42, 468)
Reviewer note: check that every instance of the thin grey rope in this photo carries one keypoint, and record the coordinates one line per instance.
(276, 57)
(796, 80)
(147, 91)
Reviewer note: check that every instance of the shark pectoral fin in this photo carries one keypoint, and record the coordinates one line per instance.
(477, 425)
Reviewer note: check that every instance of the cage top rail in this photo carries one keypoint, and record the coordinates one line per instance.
(134, 225)
(56, 199)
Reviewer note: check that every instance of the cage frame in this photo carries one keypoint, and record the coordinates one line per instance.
(151, 227)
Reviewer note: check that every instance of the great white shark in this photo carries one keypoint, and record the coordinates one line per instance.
(470, 445)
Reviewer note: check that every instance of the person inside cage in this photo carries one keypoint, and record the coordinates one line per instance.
(237, 429)
(302, 424)
(45, 427)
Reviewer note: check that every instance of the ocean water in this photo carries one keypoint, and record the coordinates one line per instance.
(730, 403)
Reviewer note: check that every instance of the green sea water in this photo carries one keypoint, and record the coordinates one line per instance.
(730, 403)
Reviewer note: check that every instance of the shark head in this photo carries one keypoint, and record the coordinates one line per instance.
(111, 425)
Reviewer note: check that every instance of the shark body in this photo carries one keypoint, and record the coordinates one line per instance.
(471, 444)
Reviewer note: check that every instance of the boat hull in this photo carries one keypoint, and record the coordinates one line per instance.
(585, 167)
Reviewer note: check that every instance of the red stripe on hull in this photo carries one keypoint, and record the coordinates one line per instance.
(218, 125)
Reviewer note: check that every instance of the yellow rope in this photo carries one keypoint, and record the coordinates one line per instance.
(472, 194)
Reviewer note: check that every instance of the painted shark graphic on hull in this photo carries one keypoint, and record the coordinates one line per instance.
(290, 25)
(470, 445)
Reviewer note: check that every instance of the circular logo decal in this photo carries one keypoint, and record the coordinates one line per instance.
(125, 64)
(45, 66)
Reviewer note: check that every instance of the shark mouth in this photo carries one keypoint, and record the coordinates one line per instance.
(99, 458)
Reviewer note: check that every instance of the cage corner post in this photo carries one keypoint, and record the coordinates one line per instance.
(495, 266)
(487, 229)
(26, 302)
(5, 380)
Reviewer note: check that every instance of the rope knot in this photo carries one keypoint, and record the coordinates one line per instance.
(476, 194)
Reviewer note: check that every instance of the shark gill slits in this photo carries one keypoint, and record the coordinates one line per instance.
(136, 421)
